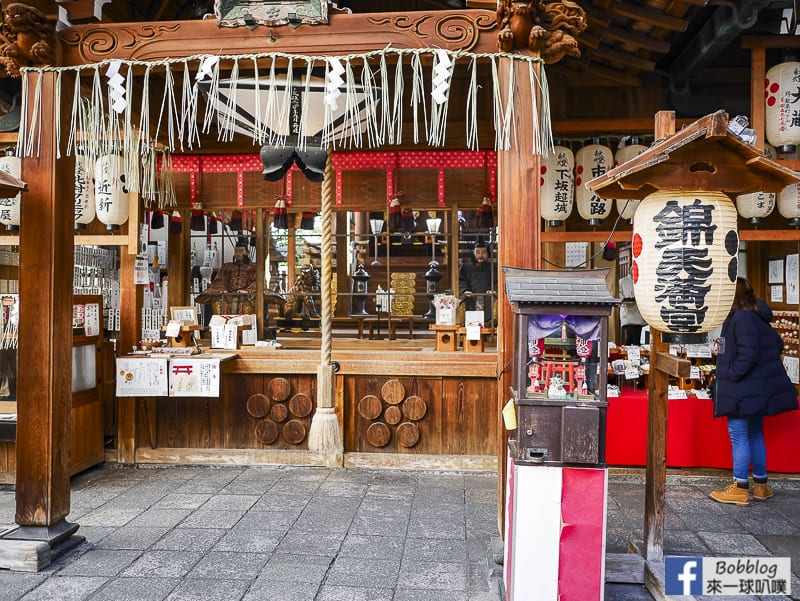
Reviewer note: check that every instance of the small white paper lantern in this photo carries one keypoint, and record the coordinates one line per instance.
(627, 207)
(557, 183)
(782, 118)
(789, 204)
(10, 207)
(592, 161)
(110, 191)
(685, 261)
(84, 194)
(756, 206)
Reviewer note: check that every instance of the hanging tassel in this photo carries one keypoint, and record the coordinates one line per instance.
(156, 220)
(280, 219)
(213, 224)
(407, 221)
(307, 220)
(395, 213)
(175, 223)
(485, 216)
(197, 220)
(235, 223)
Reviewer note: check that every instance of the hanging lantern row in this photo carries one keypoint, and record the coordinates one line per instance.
(563, 176)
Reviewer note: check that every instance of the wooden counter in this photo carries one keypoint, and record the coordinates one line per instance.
(399, 404)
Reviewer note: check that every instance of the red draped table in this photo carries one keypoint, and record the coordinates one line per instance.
(694, 437)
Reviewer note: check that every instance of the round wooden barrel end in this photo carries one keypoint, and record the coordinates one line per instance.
(392, 415)
(414, 408)
(279, 389)
(393, 392)
(378, 434)
(294, 432)
(407, 434)
(300, 405)
(267, 431)
(258, 405)
(279, 412)
(370, 407)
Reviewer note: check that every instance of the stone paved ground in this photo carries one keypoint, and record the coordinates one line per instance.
(316, 534)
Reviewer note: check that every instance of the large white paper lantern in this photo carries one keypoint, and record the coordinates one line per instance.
(592, 161)
(10, 207)
(110, 191)
(627, 207)
(782, 118)
(756, 206)
(685, 261)
(789, 204)
(557, 185)
(84, 194)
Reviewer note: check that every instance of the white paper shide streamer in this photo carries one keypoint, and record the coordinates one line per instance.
(360, 102)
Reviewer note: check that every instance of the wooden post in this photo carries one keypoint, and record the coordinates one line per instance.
(656, 470)
(519, 219)
(130, 301)
(45, 342)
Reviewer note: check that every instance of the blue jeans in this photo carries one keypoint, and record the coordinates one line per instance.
(747, 444)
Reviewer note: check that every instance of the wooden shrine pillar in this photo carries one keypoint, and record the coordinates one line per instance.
(518, 220)
(45, 325)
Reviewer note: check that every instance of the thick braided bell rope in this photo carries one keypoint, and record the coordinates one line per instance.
(327, 253)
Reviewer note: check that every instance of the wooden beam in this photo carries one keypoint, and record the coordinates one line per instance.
(622, 58)
(593, 74)
(651, 16)
(656, 467)
(600, 236)
(344, 34)
(519, 218)
(672, 365)
(770, 41)
(45, 325)
(637, 40)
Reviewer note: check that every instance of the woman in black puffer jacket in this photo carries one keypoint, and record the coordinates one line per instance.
(751, 382)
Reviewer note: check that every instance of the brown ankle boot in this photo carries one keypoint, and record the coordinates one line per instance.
(732, 494)
(762, 491)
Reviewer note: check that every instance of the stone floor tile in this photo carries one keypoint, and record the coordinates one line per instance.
(271, 590)
(209, 589)
(362, 572)
(65, 588)
(295, 568)
(99, 562)
(182, 501)
(353, 593)
(159, 518)
(131, 537)
(162, 564)
(202, 518)
(436, 575)
(223, 502)
(229, 565)
(248, 540)
(191, 539)
(434, 549)
(16, 584)
(297, 542)
(374, 547)
(725, 543)
(136, 589)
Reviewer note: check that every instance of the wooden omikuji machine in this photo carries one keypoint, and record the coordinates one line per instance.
(557, 479)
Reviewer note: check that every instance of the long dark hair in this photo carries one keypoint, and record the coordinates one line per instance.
(745, 296)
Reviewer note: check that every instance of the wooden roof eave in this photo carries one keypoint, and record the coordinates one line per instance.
(468, 30)
(702, 156)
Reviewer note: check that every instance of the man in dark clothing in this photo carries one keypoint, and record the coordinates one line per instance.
(477, 280)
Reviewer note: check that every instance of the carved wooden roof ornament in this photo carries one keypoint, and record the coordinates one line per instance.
(272, 13)
(704, 155)
(550, 29)
(26, 39)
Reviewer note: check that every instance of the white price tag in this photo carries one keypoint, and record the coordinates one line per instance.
(631, 373)
(231, 336)
(694, 373)
(173, 329)
(140, 272)
(677, 394)
(634, 353)
(698, 350)
(217, 336)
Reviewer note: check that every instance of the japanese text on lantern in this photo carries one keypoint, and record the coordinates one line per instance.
(682, 274)
(562, 184)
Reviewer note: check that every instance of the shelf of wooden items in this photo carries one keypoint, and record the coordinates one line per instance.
(186, 337)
